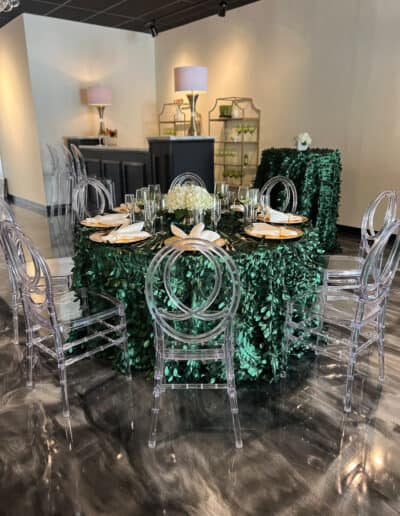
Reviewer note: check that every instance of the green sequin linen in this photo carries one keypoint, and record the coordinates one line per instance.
(271, 273)
(316, 174)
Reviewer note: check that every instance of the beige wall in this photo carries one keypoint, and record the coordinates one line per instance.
(65, 57)
(327, 67)
(19, 143)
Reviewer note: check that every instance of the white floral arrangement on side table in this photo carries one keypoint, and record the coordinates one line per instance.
(303, 141)
(188, 197)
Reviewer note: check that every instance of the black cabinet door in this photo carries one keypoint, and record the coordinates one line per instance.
(111, 169)
(135, 176)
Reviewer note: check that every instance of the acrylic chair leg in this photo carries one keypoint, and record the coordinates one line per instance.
(349, 384)
(232, 395)
(128, 375)
(235, 417)
(154, 417)
(286, 340)
(381, 346)
(30, 363)
(64, 387)
(15, 323)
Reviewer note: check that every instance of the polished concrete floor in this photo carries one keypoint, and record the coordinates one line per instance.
(301, 455)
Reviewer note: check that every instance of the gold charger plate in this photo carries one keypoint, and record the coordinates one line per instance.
(98, 238)
(254, 234)
(102, 224)
(174, 241)
(120, 209)
(300, 220)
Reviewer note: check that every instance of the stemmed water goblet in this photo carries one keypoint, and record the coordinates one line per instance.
(254, 194)
(130, 204)
(150, 213)
(244, 199)
(216, 211)
(222, 191)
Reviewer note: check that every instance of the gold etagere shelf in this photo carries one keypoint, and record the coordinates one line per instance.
(234, 122)
(174, 119)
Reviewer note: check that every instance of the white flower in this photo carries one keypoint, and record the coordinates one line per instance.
(188, 197)
(304, 139)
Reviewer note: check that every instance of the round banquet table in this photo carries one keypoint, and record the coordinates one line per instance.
(271, 272)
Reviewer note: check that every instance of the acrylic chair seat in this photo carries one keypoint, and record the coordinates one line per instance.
(344, 271)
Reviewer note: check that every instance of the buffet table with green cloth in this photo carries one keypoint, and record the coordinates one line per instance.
(316, 174)
(271, 272)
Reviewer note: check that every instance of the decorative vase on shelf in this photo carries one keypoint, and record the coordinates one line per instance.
(236, 111)
(179, 119)
(303, 141)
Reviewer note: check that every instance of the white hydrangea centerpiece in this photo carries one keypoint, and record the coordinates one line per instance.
(303, 141)
(188, 197)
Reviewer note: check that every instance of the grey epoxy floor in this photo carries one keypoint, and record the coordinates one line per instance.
(301, 455)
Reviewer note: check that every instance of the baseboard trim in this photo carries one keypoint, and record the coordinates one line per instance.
(350, 230)
(29, 205)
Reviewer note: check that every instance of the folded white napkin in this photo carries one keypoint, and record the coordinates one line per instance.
(127, 232)
(261, 228)
(197, 231)
(237, 207)
(106, 219)
(278, 216)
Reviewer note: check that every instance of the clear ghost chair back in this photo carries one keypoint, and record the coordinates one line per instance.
(81, 172)
(7, 215)
(81, 204)
(381, 264)
(35, 286)
(79, 162)
(188, 178)
(290, 192)
(193, 318)
(369, 233)
(6, 212)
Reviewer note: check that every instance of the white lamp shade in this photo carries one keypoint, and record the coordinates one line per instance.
(99, 96)
(191, 78)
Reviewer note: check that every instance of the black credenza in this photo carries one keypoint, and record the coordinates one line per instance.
(129, 169)
(172, 155)
(167, 157)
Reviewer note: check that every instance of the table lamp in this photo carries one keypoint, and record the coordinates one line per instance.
(192, 80)
(100, 97)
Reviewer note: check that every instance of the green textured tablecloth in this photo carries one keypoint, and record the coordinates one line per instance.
(316, 174)
(270, 274)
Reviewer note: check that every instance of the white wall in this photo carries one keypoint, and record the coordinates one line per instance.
(65, 57)
(327, 67)
(19, 143)
(45, 65)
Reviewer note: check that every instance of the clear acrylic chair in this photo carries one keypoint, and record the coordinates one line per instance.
(66, 327)
(359, 314)
(290, 193)
(187, 178)
(81, 172)
(193, 319)
(60, 270)
(343, 271)
(81, 205)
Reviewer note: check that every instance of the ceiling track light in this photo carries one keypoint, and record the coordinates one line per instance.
(151, 27)
(222, 9)
(8, 5)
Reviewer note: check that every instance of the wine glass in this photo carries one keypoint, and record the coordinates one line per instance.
(253, 196)
(222, 190)
(150, 213)
(264, 206)
(216, 211)
(244, 199)
(130, 204)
